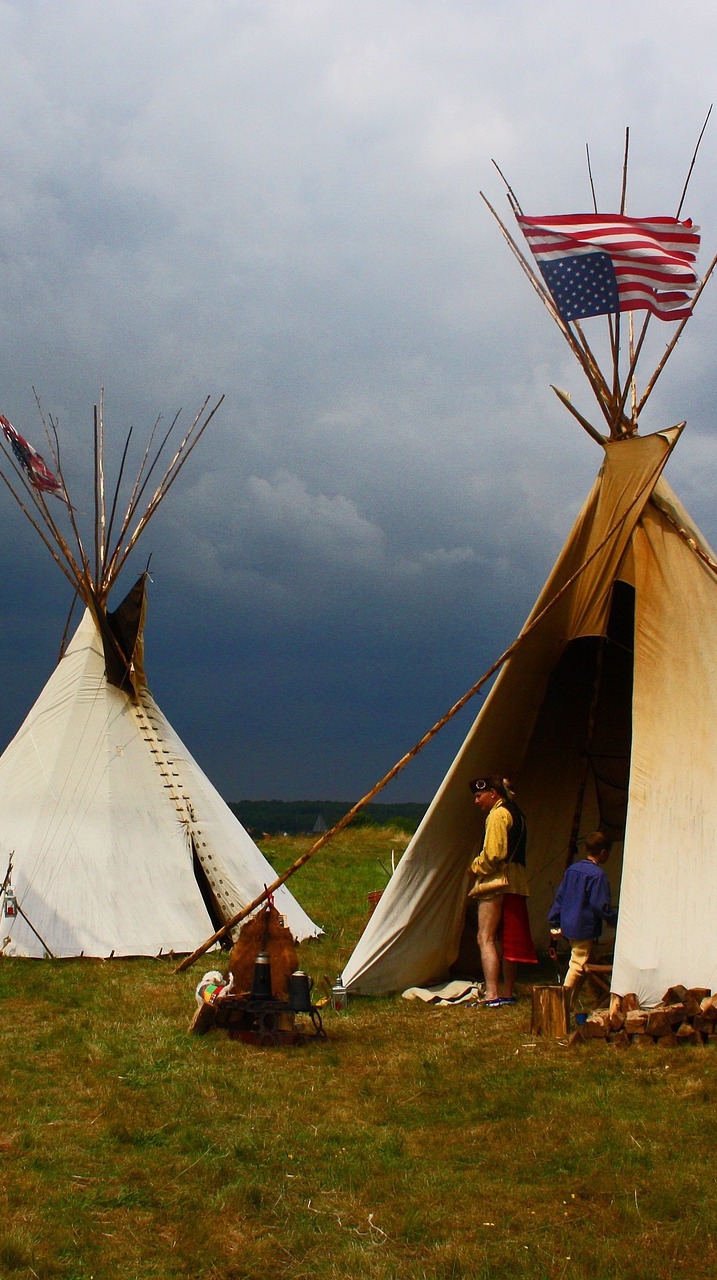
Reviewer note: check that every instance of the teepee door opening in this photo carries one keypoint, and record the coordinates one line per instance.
(215, 914)
(575, 774)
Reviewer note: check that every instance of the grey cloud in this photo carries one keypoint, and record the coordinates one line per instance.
(281, 202)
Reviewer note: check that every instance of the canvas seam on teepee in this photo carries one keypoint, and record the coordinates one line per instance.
(177, 793)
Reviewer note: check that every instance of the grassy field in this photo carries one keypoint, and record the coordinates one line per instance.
(414, 1142)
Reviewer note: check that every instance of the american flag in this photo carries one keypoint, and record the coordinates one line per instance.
(594, 264)
(35, 467)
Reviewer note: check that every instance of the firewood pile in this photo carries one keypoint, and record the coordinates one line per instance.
(683, 1016)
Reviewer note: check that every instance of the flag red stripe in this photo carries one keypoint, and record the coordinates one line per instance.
(652, 258)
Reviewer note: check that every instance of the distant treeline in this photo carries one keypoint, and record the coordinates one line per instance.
(297, 817)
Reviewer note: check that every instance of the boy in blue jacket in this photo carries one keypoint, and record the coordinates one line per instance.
(581, 905)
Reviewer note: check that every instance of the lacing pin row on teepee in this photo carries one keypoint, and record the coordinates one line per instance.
(172, 782)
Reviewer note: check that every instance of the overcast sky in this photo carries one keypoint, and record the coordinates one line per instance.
(280, 202)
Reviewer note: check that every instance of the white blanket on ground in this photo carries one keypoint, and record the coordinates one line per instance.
(455, 992)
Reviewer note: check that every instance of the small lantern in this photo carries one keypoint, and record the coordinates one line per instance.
(339, 995)
(10, 902)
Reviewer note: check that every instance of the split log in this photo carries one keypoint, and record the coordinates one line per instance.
(617, 1020)
(658, 1023)
(675, 1012)
(686, 1034)
(203, 1020)
(685, 1030)
(684, 1016)
(691, 998)
(551, 1012)
(675, 995)
(620, 1038)
(692, 1006)
(615, 1005)
(598, 1024)
(708, 1007)
(636, 1022)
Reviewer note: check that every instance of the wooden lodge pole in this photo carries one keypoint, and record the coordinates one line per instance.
(348, 817)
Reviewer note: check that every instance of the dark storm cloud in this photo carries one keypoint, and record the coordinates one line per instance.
(280, 202)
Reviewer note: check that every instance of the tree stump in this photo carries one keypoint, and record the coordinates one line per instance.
(551, 1012)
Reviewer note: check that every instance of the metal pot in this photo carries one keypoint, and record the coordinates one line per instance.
(261, 982)
(300, 985)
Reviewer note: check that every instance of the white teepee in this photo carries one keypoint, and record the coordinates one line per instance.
(116, 839)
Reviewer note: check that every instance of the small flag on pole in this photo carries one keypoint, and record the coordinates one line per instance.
(32, 463)
(596, 264)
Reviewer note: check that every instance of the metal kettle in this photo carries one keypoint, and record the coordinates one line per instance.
(300, 985)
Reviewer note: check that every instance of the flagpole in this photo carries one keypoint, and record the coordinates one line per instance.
(673, 342)
(585, 357)
(617, 402)
(692, 162)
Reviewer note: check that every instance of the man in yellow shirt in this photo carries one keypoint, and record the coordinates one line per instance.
(501, 908)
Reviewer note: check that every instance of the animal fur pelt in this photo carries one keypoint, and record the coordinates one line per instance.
(264, 932)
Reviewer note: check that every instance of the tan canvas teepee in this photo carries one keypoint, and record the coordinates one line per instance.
(114, 839)
(604, 714)
(643, 618)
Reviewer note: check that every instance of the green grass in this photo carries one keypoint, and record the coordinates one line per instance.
(297, 817)
(414, 1142)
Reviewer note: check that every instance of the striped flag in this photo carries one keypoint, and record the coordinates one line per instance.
(32, 463)
(594, 264)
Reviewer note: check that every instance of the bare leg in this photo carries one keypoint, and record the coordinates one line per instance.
(489, 918)
(510, 972)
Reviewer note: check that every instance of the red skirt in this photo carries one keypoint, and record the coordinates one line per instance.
(516, 940)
